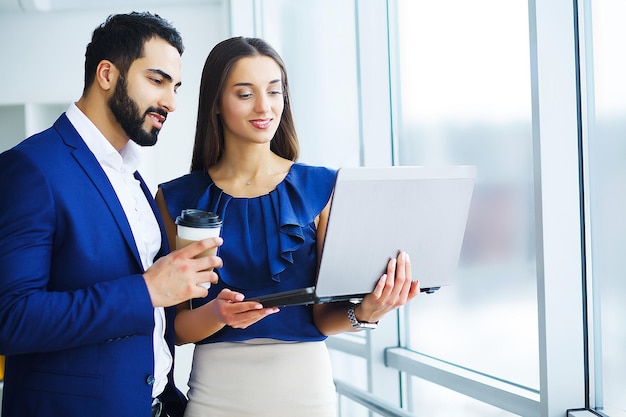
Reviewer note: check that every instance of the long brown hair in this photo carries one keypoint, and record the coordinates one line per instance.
(209, 140)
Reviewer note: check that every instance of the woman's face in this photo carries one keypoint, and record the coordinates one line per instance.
(252, 101)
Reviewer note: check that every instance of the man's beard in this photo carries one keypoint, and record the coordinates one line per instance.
(128, 115)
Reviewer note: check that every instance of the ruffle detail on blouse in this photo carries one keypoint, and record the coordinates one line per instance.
(288, 207)
(297, 202)
(287, 213)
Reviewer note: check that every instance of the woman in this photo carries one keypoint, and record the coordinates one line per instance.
(250, 360)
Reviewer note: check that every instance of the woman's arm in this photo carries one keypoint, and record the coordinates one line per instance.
(394, 289)
(170, 226)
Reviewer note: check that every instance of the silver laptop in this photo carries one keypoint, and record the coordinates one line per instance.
(376, 212)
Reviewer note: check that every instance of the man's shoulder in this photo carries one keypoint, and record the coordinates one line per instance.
(46, 139)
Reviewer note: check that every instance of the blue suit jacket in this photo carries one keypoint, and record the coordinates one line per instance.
(76, 320)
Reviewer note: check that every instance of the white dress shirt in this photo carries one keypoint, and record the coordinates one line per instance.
(120, 168)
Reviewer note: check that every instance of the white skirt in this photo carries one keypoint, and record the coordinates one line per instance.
(261, 378)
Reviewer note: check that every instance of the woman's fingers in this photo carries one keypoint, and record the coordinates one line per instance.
(380, 287)
(396, 286)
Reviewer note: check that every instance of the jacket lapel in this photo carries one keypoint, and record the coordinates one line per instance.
(96, 174)
(165, 248)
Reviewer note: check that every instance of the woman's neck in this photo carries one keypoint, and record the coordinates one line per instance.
(249, 175)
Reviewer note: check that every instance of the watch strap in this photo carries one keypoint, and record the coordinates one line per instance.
(359, 325)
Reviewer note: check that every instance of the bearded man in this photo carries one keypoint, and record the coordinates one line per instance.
(87, 284)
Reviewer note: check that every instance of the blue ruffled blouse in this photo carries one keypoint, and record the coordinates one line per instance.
(269, 244)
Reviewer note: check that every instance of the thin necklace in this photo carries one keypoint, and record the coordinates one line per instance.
(249, 182)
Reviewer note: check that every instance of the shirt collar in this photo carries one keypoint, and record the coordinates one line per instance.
(127, 159)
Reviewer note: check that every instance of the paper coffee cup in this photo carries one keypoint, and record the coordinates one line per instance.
(193, 225)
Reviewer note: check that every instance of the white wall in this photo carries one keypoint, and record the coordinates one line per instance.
(42, 66)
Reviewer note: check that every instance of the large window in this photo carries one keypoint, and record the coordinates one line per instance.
(465, 98)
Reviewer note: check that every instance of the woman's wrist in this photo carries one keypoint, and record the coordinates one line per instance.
(364, 316)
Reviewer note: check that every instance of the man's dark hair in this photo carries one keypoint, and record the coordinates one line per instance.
(121, 39)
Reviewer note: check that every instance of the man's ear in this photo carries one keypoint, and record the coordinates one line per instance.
(106, 75)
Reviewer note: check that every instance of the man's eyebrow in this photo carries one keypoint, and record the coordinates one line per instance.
(164, 75)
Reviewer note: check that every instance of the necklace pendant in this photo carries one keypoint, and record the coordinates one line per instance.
(249, 182)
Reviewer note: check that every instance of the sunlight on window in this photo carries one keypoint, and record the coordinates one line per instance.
(464, 61)
(464, 94)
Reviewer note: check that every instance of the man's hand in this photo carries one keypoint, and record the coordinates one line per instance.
(174, 278)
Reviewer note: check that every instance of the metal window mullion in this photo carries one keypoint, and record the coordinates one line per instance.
(372, 39)
(520, 400)
(558, 209)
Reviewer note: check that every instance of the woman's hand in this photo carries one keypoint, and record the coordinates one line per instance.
(230, 308)
(394, 289)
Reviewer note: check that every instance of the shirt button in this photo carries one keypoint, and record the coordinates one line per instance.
(150, 380)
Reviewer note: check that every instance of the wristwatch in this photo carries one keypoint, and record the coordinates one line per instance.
(359, 325)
